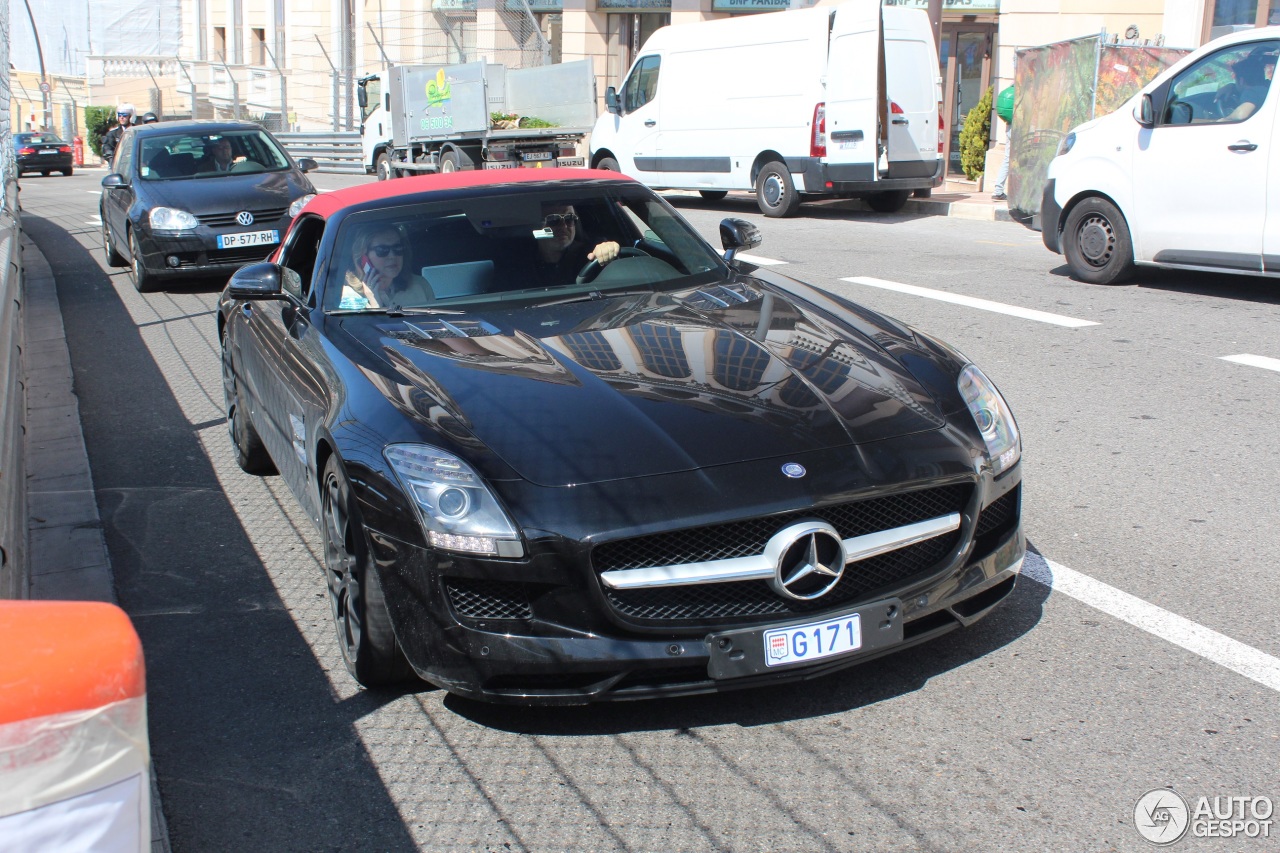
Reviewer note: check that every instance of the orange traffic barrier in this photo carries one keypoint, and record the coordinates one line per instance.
(74, 757)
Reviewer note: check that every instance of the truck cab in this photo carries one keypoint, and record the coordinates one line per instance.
(375, 126)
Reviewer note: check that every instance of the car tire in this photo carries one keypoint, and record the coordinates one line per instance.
(775, 193)
(143, 281)
(383, 167)
(608, 164)
(888, 202)
(251, 453)
(66, 173)
(1097, 244)
(359, 609)
(713, 195)
(114, 258)
(450, 162)
(45, 174)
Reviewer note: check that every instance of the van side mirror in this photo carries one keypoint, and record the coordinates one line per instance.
(611, 100)
(362, 97)
(736, 234)
(1145, 112)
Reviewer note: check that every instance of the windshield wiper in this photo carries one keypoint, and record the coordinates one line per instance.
(394, 311)
(597, 295)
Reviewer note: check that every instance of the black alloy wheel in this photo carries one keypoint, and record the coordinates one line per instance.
(1097, 244)
(775, 193)
(368, 643)
(114, 258)
(251, 453)
(143, 280)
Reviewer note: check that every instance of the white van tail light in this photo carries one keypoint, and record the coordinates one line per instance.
(818, 145)
(942, 131)
(895, 109)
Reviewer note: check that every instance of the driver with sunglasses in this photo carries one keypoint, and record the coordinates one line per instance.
(378, 277)
(564, 253)
(124, 117)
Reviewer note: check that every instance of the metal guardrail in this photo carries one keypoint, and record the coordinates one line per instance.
(13, 409)
(335, 152)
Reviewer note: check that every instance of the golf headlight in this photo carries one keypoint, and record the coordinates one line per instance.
(456, 508)
(171, 219)
(298, 204)
(991, 414)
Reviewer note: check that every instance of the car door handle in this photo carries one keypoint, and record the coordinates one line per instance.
(649, 122)
(902, 121)
(1243, 145)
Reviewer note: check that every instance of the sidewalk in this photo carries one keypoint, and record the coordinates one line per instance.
(67, 555)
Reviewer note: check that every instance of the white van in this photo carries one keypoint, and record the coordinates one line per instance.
(1182, 176)
(791, 105)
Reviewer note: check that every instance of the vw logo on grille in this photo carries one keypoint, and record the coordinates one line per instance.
(794, 470)
(809, 560)
(244, 217)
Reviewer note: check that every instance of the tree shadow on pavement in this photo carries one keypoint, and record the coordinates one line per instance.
(847, 690)
(251, 747)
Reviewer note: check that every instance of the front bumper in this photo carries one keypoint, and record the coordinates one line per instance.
(1050, 216)
(198, 253)
(568, 650)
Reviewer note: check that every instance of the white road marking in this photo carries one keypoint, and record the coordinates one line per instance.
(973, 302)
(97, 220)
(1170, 627)
(759, 261)
(94, 192)
(1253, 360)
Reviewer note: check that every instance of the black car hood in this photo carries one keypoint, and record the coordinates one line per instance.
(227, 193)
(643, 385)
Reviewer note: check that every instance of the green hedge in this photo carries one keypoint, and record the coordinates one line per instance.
(97, 121)
(975, 137)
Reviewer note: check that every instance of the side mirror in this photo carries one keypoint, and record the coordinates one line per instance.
(1145, 112)
(255, 281)
(114, 181)
(362, 97)
(306, 164)
(611, 100)
(736, 234)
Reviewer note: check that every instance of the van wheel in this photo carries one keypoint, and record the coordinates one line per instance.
(383, 167)
(888, 202)
(608, 164)
(713, 195)
(1097, 244)
(775, 193)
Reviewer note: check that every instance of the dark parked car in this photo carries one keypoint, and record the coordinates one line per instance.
(198, 198)
(42, 152)
(543, 478)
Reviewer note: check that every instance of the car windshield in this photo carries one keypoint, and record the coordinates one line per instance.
(208, 154)
(522, 244)
(37, 139)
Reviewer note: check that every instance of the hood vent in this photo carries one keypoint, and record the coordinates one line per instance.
(437, 328)
(721, 296)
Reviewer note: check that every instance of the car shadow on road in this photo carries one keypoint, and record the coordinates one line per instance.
(251, 747)
(829, 209)
(878, 680)
(1243, 288)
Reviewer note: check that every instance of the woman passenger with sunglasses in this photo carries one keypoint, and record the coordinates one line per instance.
(378, 276)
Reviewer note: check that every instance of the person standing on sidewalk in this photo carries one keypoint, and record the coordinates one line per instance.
(124, 117)
(1004, 109)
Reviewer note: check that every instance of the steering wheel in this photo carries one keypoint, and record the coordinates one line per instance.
(593, 267)
(1227, 99)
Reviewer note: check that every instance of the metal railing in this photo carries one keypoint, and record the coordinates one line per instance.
(335, 152)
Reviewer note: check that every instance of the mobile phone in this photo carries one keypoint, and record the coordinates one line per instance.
(366, 267)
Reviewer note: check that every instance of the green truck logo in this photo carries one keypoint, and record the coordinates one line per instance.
(439, 91)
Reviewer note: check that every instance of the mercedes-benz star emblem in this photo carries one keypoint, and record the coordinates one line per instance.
(809, 559)
(794, 470)
(244, 217)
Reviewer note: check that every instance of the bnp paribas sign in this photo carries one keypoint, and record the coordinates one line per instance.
(970, 6)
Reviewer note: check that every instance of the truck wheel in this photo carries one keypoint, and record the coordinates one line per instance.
(450, 162)
(888, 202)
(383, 167)
(1097, 244)
(608, 164)
(775, 194)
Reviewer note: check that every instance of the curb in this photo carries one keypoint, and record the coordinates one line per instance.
(66, 554)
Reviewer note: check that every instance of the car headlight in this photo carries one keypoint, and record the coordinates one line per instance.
(991, 414)
(1068, 142)
(172, 219)
(298, 204)
(456, 508)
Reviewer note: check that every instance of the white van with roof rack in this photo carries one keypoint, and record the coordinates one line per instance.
(825, 102)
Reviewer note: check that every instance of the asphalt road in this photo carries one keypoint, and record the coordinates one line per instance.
(1150, 491)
